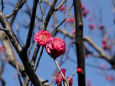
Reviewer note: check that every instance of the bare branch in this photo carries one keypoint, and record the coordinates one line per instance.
(22, 53)
(14, 16)
(50, 12)
(16, 9)
(35, 55)
(10, 33)
(39, 58)
(79, 42)
(2, 5)
(28, 41)
(99, 50)
(63, 1)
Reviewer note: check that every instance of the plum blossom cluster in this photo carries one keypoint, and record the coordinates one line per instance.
(54, 46)
(70, 20)
(59, 79)
(85, 11)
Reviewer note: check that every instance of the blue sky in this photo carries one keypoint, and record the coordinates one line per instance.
(47, 65)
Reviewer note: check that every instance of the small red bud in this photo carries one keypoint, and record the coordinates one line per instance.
(85, 12)
(79, 70)
(82, 7)
(91, 26)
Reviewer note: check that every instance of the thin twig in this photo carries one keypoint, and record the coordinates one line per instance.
(16, 63)
(10, 33)
(98, 49)
(16, 9)
(39, 58)
(28, 41)
(3, 29)
(56, 27)
(43, 22)
(22, 53)
(2, 5)
(2, 81)
(50, 12)
(63, 1)
(59, 69)
(15, 14)
(35, 55)
(72, 75)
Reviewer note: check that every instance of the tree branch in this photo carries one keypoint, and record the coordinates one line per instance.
(35, 54)
(14, 12)
(2, 5)
(99, 50)
(79, 42)
(28, 41)
(14, 16)
(22, 53)
(51, 10)
(10, 33)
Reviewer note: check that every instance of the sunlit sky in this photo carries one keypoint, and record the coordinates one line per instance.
(47, 66)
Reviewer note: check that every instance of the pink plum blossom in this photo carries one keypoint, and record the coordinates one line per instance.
(70, 82)
(42, 37)
(56, 47)
(59, 78)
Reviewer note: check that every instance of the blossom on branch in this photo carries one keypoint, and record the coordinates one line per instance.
(56, 47)
(70, 20)
(59, 78)
(105, 44)
(42, 37)
(79, 70)
(70, 82)
(62, 8)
